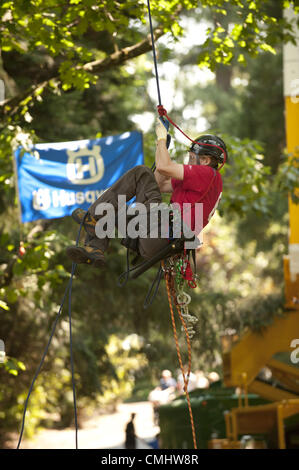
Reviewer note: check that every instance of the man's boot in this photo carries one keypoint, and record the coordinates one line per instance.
(86, 254)
(89, 222)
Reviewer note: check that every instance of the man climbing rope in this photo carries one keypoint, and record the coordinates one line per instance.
(198, 181)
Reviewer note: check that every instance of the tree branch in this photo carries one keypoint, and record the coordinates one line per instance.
(10, 107)
(119, 57)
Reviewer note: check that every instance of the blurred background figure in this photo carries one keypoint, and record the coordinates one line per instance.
(191, 382)
(154, 443)
(213, 377)
(130, 442)
(163, 393)
(155, 398)
(201, 380)
(167, 381)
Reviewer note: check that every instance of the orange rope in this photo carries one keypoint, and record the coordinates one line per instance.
(168, 281)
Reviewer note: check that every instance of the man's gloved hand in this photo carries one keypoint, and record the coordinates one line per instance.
(161, 130)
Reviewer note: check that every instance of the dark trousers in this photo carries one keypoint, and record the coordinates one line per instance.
(141, 183)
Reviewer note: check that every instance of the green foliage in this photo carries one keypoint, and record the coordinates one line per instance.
(240, 99)
(58, 29)
(259, 312)
(231, 295)
(13, 366)
(287, 178)
(126, 359)
(246, 179)
(78, 37)
(249, 184)
(255, 27)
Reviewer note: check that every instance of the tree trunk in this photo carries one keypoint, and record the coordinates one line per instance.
(223, 77)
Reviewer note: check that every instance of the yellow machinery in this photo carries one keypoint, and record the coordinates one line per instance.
(244, 359)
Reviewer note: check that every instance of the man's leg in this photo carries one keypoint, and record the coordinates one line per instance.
(140, 182)
(148, 247)
(157, 232)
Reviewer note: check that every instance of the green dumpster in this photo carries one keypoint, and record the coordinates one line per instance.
(208, 408)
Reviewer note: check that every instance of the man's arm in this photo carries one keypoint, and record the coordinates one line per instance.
(165, 166)
(164, 182)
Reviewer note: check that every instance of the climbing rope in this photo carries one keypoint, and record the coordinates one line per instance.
(168, 274)
(68, 291)
(162, 112)
(184, 271)
(154, 52)
(160, 108)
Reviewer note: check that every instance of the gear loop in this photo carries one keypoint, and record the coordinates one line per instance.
(183, 299)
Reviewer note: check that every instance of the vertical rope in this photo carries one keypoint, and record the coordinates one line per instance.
(68, 290)
(185, 329)
(40, 365)
(167, 279)
(154, 52)
(71, 355)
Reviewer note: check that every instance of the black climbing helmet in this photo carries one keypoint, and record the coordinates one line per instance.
(210, 149)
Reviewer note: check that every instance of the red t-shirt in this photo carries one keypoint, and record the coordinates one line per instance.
(193, 188)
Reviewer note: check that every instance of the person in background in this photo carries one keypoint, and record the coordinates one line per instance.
(155, 443)
(213, 377)
(163, 393)
(191, 382)
(154, 398)
(201, 380)
(167, 380)
(130, 442)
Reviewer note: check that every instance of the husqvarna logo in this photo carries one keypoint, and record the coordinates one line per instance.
(85, 165)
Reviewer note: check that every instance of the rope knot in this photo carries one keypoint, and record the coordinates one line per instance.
(161, 110)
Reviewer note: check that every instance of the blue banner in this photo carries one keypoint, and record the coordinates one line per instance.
(54, 179)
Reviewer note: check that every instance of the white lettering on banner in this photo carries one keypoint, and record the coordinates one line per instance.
(90, 197)
(41, 199)
(90, 170)
(80, 198)
(59, 198)
(44, 199)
